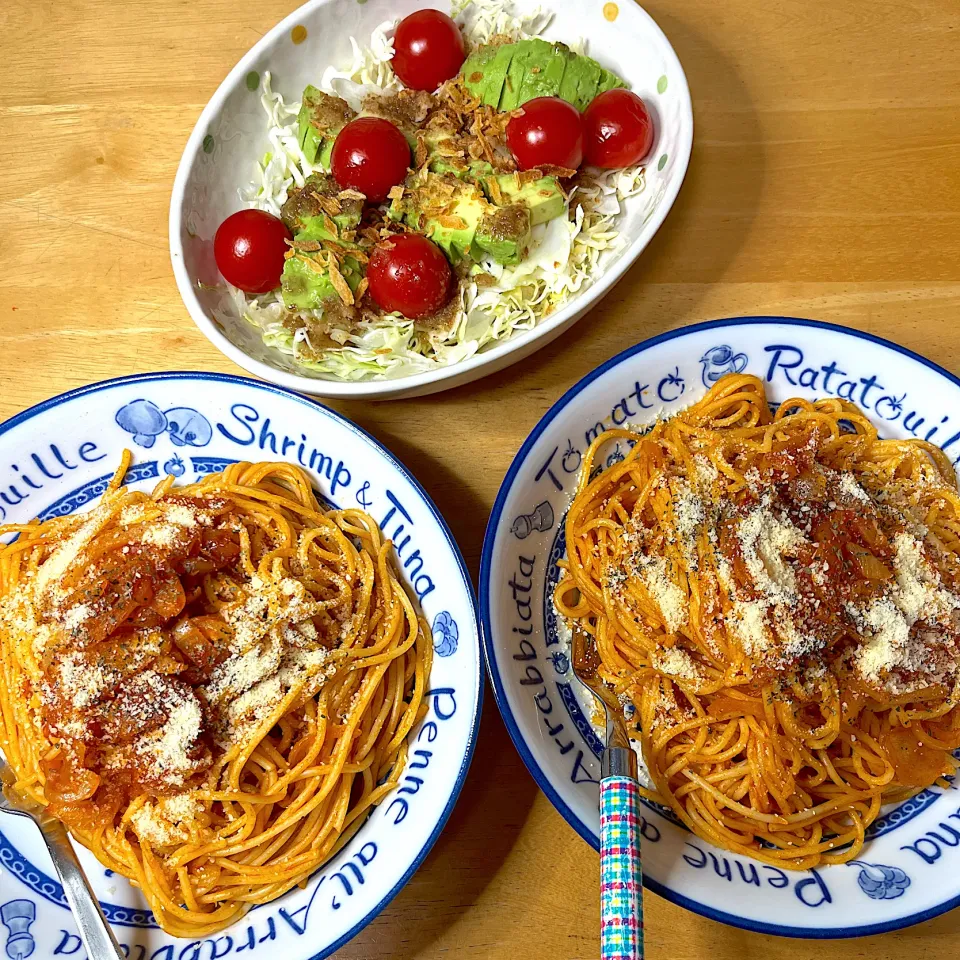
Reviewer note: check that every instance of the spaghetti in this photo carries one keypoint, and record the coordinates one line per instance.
(211, 686)
(776, 599)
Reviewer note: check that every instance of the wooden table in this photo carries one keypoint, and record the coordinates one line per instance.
(825, 182)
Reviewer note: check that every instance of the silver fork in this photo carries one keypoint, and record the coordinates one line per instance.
(92, 926)
(621, 874)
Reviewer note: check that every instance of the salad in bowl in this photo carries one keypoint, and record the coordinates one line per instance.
(435, 207)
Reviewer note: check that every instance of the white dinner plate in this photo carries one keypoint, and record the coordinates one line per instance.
(57, 457)
(910, 868)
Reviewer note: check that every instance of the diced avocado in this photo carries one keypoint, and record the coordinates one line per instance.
(454, 231)
(512, 85)
(321, 118)
(305, 286)
(608, 81)
(587, 83)
(543, 198)
(545, 72)
(504, 234)
(474, 170)
(318, 197)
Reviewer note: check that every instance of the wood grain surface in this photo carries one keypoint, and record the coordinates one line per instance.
(825, 182)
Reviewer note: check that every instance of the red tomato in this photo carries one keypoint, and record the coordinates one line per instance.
(410, 275)
(617, 129)
(428, 49)
(371, 155)
(547, 131)
(249, 248)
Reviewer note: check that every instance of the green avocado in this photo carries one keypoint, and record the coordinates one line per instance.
(587, 83)
(545, 71)
(495, 74)
(476, 69)
(325, 153)
(608, 81)
(469, 208)
(303, 206)
(320, 119)
(304, 287)
(570, 83)
(524, 56)
(504, 234)
(474, 170)
(543, 198)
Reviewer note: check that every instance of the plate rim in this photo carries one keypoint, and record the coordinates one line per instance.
(486, 628)
(44, 405)
(385, 388)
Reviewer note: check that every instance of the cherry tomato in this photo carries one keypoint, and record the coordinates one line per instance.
(249, 248)
(410, 275)
(617, 129)
(428, 49)
(371, 155)
(547, 131)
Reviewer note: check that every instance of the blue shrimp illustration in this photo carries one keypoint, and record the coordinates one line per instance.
(144, 420)
(880, 882)
(18, 917)
(188, 427)
(719, 361)
(446, 633)
(615, 457)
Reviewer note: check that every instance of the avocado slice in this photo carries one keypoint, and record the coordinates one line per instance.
(545, 71)
(321, 118)
(587, 83)
(474, 170)
(504, 234)
(476, 68)
(512, 85)
(608, 81)
(493, 74)
(304, 286)
(543, 198)
(571, 78)
(325, 153)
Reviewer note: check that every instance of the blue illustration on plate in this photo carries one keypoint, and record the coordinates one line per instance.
(719, 361)
(571, 458)
(880, 882)
(615, 457)
(561, 662)
(540, 519)
(146, 421)
(187, 427)
(17, 917)
(445, 634)
(174, 467)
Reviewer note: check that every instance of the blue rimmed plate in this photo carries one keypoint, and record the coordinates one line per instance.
(58, 456)
(910, 869)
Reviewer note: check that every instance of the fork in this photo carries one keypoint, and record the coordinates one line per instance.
(95, 932)
(621, 875)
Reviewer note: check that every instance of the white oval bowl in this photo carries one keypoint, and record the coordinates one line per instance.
(230, 137)
(908, 870)
(68, 447)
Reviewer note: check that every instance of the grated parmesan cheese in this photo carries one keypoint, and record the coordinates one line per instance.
(675, 662)
(671, 600)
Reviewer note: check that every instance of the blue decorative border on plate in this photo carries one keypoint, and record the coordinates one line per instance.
(486, 630)
(314, 407)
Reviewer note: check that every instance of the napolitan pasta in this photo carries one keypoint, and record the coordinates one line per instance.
(776, 599)
(210, 685)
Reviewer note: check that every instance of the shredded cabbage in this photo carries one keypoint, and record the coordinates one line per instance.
(566, 255)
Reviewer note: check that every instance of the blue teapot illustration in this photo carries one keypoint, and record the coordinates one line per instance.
(541, 519)
(719, 361)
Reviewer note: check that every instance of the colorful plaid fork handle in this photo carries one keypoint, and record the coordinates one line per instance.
(621, 877)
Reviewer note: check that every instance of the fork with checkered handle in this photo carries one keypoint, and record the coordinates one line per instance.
(621, 876)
